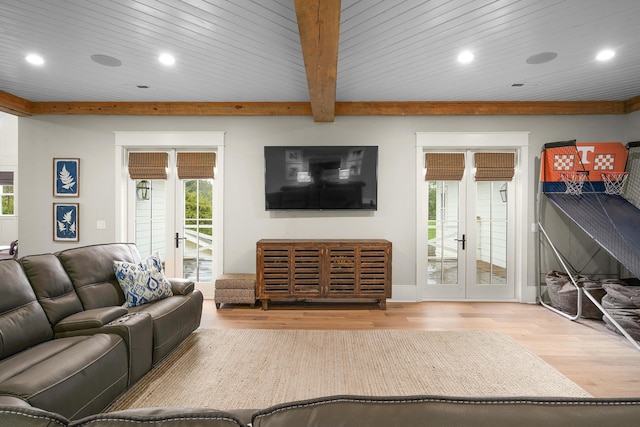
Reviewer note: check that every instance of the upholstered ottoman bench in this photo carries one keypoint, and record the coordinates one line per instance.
(235, 289)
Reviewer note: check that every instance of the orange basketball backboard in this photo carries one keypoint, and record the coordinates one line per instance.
(591, 157)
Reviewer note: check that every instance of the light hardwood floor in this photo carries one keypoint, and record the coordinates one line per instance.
(601, 362)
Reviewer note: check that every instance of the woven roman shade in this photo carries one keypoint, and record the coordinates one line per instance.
(495, 166)
(444, 166)
(196, 165)
(6, 178)
(148, 165)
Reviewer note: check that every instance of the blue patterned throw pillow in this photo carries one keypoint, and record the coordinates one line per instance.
(142, 283)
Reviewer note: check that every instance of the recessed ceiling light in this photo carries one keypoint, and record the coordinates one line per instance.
(167, 59)
(465, 57)
(34, 59)
(605, 55)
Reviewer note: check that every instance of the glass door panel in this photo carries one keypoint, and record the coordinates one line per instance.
(150, 217)
(197, 230)
(491, 242)
(445, 266)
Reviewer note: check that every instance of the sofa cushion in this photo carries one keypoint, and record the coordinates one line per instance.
(90, 269)
(12, 401)
(52, 286)
(74, 376)
(21, 416)
(143, 282)
(173, 320)
(23, 322)
(33, 356)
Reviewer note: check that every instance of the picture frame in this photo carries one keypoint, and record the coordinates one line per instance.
(293, 156)
(292, 170)
(66, 222)
(66, 177)
(354, 167)
(356, 154)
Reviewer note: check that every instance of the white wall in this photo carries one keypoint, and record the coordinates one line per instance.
(9, 162)
(633, 127)
(91, 138)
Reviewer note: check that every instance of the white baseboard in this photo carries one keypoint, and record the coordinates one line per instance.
(404, 293)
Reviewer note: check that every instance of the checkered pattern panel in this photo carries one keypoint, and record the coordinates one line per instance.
(604, 162)
(563, 162)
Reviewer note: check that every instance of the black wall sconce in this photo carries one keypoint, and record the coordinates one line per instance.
(503, 193)
(143, 190)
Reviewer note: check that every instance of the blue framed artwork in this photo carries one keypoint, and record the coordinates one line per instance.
(66, 176)
(65, 222)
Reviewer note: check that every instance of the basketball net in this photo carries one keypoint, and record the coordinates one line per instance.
(574, 182)
(614, 181)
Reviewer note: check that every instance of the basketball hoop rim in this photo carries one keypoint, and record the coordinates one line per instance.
(574, 174)
(614, 173)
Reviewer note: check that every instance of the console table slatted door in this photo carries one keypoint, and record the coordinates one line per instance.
(323, 269)
(274, 274)
(306, 270)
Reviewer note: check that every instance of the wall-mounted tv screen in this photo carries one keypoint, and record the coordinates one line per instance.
(321, 177)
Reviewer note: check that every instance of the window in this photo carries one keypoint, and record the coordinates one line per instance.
(6, 193)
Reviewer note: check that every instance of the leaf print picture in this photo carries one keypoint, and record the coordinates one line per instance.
(65, 222)
(65, 177)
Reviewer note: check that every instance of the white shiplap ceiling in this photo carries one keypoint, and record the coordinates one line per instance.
(249, 51)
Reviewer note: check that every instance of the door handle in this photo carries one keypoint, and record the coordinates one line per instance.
(178, 238)
(463, 240)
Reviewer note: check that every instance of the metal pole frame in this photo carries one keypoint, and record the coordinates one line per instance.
(581, 291)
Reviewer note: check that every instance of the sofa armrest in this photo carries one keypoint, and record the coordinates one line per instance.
(181, 286)
(89, 319)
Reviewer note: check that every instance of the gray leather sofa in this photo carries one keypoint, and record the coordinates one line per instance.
(353, 411)
(68, 349)
(66, 343)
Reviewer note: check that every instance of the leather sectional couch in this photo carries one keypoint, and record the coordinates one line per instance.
(68, 349)
(353, 411)
(67, 344)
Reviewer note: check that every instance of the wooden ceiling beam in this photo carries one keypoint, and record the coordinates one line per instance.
(440, 108)
(319, 28)
(478, 108)
(15, 105)
(174, 108)
(632, 105)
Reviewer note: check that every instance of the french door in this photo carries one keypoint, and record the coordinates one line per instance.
(175, 218)
(470, 238)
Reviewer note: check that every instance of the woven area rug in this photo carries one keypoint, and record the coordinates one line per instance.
(256, 368)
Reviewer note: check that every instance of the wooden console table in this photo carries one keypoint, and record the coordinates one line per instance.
(323, 269)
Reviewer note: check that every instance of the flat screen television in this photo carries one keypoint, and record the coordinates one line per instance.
(321, 177)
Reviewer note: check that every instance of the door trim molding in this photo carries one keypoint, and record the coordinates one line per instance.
(169, 140)
(517, 141)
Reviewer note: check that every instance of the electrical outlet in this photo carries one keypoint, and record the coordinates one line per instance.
(101, 224)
